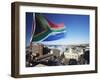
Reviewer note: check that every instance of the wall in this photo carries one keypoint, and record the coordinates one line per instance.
(5, 40)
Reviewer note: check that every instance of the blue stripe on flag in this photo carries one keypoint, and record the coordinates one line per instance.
(55, 37)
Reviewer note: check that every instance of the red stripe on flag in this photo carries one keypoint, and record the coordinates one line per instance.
(56, 26)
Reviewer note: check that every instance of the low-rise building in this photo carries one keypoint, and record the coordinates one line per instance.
(73, 53)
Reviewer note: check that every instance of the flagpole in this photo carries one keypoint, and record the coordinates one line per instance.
(33, 29)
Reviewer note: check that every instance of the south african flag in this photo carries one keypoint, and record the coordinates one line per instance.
(45, 30)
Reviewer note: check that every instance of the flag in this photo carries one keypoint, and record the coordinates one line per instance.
(45, 30)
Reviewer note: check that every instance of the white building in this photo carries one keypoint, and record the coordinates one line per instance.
(73, 53)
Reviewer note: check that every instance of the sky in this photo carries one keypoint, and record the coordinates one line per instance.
(77, 27)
